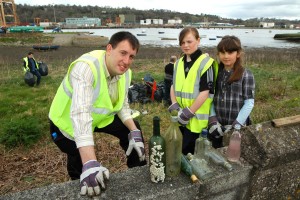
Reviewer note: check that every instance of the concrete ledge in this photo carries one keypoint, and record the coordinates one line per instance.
(135, 184)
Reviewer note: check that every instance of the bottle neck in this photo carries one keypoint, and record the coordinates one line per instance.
(156, 126)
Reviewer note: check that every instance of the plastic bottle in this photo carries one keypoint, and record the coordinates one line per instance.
(157, 153)
(187, 169)
(173, 140)
(200, 145)
(216, 157)
(234, 147)
(200, 167)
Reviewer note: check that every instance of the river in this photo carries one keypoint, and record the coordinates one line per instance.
(209, 37)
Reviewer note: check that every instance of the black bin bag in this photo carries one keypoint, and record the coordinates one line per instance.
(29, 79)
(43, 69)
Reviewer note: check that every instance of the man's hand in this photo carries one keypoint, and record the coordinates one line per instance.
(136, 142)
(92, 178)
(184, 116)
(174, 106)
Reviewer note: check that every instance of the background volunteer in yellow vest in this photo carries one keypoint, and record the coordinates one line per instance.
(193, 88)
(31, 65)
(93, 98)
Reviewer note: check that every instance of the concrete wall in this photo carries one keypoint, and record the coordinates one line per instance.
(269, 169)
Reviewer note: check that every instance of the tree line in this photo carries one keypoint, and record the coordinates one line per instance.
(58, 13)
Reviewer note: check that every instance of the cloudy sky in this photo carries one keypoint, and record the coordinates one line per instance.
(284, 9)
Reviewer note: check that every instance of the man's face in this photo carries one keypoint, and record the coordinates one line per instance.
(119, 59)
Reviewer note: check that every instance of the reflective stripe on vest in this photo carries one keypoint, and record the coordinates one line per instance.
(26, 68)
(187, 90)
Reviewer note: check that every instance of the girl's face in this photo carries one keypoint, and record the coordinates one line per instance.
(189, 44)
(228, 58)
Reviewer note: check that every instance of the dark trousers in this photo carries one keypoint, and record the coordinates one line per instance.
(74, 163)
(167, 99)
(38, 76)
(188, 140)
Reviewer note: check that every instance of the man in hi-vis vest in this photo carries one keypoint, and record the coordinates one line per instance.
(31, 65)
(93, 98)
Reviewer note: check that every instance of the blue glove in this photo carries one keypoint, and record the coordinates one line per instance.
(136, 142)
(184, 116)
(174, 106)
(93, 176)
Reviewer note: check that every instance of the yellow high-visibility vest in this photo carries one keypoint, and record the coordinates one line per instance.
(187, 89)
(103, 110)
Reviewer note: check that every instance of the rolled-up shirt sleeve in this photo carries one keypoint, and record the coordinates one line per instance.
(81, 79)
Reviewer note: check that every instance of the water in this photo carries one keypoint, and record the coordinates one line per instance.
(249, 37)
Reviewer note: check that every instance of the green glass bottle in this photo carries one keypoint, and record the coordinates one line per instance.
(173, 148)
(157, 153)
(216, 157)
(200, 167)
(187, 169)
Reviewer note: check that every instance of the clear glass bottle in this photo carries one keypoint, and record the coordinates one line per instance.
(234, 148)
(157, 153)
(216, 156)
(200, 145)
(173, 140)
(200, 167)
(187, 169)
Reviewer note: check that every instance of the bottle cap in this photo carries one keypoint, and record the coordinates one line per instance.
(204, 132)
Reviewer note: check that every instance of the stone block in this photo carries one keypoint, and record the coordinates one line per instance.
(265, 146)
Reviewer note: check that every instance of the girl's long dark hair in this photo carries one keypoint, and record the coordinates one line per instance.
(230, 44)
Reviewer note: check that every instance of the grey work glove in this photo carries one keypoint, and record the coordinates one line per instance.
(174, 106)
(92, 178)
(216, 130)
(136, 142)
(184, 116)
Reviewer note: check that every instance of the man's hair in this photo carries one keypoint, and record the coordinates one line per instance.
(30, 53)
(124, 35)
(173, 59)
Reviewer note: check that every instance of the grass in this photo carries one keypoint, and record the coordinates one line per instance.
(41, 163)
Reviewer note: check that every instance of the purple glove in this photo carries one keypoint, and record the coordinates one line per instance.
(174, 106)
(136, 142)
(184, 116)
(92, 177)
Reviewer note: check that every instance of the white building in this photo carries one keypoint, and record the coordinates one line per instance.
(83, 22)
(174, 21)
(266, 24)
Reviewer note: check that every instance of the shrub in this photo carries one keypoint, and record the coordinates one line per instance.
(21, 132)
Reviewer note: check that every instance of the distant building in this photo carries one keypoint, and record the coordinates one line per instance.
(83, 22)
(130, 19)
(174, 21)
(151, 21)
(266, 24)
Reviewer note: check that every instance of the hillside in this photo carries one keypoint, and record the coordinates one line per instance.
(27, 14)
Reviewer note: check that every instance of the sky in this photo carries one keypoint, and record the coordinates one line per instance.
(236, 9)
